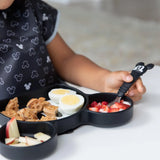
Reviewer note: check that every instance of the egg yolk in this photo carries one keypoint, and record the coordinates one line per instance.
(60, 91)
(70, 100)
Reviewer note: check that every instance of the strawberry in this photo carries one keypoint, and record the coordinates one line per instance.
(94, 109)
(105, 108)
(111, 110)
(118, 106)
(104, 103)
(93, 104)
(102, 107)
(99, 105)
(122, 106)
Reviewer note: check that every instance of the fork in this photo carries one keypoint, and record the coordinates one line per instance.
(138, 71)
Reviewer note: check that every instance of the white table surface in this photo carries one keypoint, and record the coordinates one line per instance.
(137, 140)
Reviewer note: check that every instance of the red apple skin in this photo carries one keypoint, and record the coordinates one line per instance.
(9, 123)
(7, 127)
(11, 142)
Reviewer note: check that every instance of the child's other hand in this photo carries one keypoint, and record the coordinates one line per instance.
(116, 79)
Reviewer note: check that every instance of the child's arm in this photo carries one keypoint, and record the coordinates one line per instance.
(80, 70)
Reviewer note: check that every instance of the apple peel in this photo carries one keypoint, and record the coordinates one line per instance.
(12, 130)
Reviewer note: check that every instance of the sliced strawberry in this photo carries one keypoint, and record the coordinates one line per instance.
(118, 106)
(111, 110)
(99, 105)
(114, 108)
(94, 109)
(93, 104)
(105, 108)
(121, 101)
(122, 106)
(104, 103)
(102, 107)
(115, 105)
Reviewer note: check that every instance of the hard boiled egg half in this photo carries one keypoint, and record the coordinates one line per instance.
(71, 103)
(57, 93)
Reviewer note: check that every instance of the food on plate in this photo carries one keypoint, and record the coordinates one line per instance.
(27, 114)
(71, 103)
(11, 140)
(19, 145)
(13, 105)
(41, 136)
(13, 137)
(57, 93)
(40, 109)
(9, 113)
(12, 130)
(103, 108)
(50, 111)
(37, 104)
(46, 118)
(31, 141)
(31, 111)
(11, 108)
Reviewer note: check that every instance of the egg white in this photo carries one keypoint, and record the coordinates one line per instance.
(71, 108)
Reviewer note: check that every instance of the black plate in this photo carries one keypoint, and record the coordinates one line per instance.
(35, 152)
(82, 117)
(108, 119)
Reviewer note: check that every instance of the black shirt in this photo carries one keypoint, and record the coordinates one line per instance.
(25, 29)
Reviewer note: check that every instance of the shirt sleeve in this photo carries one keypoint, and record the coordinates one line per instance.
(48, 18)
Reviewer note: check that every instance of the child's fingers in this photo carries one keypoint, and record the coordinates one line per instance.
(136, 91)
(134, 94)
(136, 97)
(124, 76)
(140, 87)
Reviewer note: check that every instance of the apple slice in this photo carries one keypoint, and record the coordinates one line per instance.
(22, 140)
(42, 136)
(19, 145)
(9, 140)
(12, 130)
(31, 141)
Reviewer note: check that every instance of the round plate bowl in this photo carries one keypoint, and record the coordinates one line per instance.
(108, 119)
(35, 152)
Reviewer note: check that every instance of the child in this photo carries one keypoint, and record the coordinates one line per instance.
(30, 44)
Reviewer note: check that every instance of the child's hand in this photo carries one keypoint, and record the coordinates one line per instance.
(115, 79)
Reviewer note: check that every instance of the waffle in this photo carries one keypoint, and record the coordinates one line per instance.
(30, 112)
